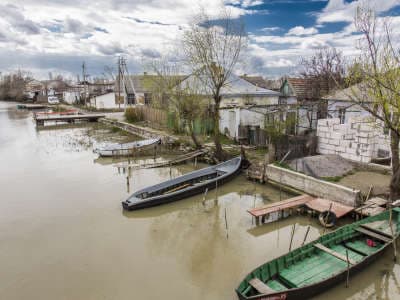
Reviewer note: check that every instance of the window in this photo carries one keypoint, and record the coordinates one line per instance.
(147, 98)
(342, 115)
(131, 99)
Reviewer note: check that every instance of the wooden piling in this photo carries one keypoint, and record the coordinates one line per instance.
(291, 238)
(305, 237)
(348, 269)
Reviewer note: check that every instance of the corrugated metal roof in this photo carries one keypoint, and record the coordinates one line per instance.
(235, 86)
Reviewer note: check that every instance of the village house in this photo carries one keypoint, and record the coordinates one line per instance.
(296, 90)
(246, 109)
(350, 131)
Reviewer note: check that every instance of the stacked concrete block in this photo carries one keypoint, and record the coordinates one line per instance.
(357, 140)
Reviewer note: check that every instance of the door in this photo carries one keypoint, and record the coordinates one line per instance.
(232, 124)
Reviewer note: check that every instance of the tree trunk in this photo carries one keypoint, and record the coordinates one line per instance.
(395, 180)
(219, 155)
(193, 135)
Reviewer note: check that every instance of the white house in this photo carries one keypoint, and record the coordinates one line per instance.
(244, 106)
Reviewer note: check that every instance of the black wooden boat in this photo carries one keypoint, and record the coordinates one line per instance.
(315, 267)
(184, 186)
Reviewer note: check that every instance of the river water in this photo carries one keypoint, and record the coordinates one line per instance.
(64, 235)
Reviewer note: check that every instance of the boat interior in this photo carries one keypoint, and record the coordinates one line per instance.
(330, 255)
(181, 185)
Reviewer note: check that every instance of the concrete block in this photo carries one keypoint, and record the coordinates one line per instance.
(334, 142)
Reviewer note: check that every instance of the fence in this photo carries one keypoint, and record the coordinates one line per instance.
(155, 116)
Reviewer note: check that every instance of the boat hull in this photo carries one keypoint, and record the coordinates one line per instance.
(182, 194)
(320, 287)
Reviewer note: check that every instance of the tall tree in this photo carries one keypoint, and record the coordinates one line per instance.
(169, 92)
(376, 78)
(212, 48)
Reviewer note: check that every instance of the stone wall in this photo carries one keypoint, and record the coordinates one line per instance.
(360, 139)
(313, 186)
(143, 132)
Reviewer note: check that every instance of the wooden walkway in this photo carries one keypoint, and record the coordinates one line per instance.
(41, 119)
(274, 211)
(166, 163)
(278, 210)
(371, 207)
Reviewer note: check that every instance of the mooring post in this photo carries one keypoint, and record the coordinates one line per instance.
(391, 230)
(327, 217)
(195, 161)
(127, 183)
(204, 196)
(305, 237)
(155, 152)
(348, 269)
(226, 225)
(291, 238)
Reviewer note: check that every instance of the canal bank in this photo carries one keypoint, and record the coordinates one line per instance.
(64, 234)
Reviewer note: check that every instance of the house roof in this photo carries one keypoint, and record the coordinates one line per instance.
(235, 86)
(142, 83)
(259, 81)
(347, 94)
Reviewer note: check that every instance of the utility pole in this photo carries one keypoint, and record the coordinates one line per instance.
(119, 81)
(84, 82)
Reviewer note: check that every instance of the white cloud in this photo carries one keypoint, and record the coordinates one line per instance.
(300, 30)
(341, 11)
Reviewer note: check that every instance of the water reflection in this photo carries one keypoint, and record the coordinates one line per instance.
(63, 229)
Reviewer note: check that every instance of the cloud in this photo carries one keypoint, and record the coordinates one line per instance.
(342, 11)
(300, 30)
(270, 29)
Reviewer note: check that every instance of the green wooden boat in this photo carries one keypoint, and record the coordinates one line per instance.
(318, 265)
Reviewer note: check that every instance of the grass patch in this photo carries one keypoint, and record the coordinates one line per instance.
(332, 179)
(283, 165)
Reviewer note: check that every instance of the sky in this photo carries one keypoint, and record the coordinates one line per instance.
(43, 36)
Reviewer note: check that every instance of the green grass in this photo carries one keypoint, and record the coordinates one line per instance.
(333, 179)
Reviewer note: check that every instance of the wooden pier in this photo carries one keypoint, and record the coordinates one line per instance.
(282, 209)
(180, 159)
(41, 119)
(32, 106)
(278, 210)
(371, 207)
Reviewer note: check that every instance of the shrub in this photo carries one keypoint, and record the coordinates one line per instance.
(133, 115)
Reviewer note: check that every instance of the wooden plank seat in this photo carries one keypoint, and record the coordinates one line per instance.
(362, 247)
(333, 253)
(260, 286)
(379, 230)
(373, 234)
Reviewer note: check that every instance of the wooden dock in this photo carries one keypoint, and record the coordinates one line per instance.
(256, 172)
(41, 119)
(166, 163)
(278, 210)
(32, 106)
(371, 207)
(282, 209)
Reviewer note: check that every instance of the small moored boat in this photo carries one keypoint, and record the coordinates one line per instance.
(126, 148)
(313, 268)
(184, 186)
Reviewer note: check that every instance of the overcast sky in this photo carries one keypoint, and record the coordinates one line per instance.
(43, 35)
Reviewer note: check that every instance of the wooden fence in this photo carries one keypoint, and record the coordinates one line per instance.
(155, 116)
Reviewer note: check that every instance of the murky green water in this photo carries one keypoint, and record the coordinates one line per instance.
(64, 235)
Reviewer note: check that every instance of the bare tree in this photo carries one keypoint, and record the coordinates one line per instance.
(324, 71)
(375, 78)
(212, 49)
(169, 92)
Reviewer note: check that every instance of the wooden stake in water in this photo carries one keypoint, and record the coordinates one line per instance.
(305, 237)
(327, 216)
(127, 183)
(226, 224)
(348, 269)
(392, 232)
(205, 196)
(291, 237)
(195, 161)
(216, 189)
